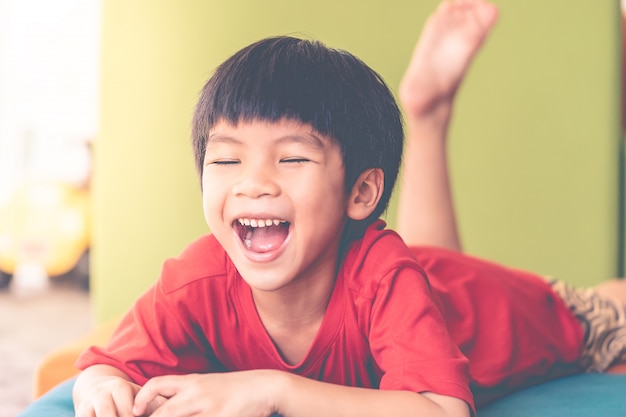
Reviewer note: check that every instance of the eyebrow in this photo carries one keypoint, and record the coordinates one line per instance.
(308, 139)
(216, 138)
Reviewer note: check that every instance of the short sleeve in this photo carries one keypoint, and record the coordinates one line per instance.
(152, 340)
(410, 342)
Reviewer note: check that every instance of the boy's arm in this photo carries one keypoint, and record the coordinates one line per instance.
(451, 38)
(264, 392)
(349, 401)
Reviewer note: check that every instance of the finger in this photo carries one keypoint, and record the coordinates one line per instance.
(123, 402)
(107, 407)
(154, 405)
(84, 410)
(177, 407)
(166, 386)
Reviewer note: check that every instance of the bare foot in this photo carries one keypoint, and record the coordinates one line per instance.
(450, 39)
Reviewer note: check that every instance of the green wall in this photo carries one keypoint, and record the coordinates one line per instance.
(533, 145)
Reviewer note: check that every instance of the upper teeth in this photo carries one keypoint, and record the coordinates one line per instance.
(259, 223)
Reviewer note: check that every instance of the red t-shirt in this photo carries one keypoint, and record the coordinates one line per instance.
(509, 323)
(382, 328)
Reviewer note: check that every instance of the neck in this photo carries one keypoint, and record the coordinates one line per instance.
(292, 316)
(297, 304)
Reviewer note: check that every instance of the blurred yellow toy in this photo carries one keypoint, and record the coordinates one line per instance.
(44, 231)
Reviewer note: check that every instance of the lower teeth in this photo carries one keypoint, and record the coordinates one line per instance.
(248, 243)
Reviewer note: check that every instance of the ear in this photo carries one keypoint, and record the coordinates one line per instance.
(366, 193)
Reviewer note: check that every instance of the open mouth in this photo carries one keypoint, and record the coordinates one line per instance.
(261, 235)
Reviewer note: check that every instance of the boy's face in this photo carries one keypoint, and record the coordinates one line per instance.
(274, 197)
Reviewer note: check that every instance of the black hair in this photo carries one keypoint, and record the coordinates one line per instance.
(330, 89)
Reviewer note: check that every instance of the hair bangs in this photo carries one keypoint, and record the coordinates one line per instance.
(275, 83)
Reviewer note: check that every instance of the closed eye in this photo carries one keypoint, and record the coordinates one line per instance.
(295, 160)
(225, 162)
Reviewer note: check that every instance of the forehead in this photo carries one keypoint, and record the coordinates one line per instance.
(283, 131)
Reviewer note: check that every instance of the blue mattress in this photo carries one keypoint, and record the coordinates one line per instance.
(586, 395)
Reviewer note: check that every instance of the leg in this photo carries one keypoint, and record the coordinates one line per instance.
(614, 289)
(450, 39)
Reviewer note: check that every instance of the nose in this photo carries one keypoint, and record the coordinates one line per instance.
(257, 180)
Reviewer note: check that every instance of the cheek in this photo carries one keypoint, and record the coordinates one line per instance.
(325, 197)
(208, 209)
(211, 202)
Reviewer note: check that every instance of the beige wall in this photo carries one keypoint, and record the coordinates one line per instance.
(533, 147)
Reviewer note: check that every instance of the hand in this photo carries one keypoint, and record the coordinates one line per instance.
(232, 394)
(107, 396)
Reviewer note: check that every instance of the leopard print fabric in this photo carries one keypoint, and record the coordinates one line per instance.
(604, 325)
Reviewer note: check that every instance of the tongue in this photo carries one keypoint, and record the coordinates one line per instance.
(265, 239)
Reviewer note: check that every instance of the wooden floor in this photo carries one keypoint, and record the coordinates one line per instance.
(30, 327)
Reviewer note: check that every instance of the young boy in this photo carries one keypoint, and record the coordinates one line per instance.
(300, 303)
